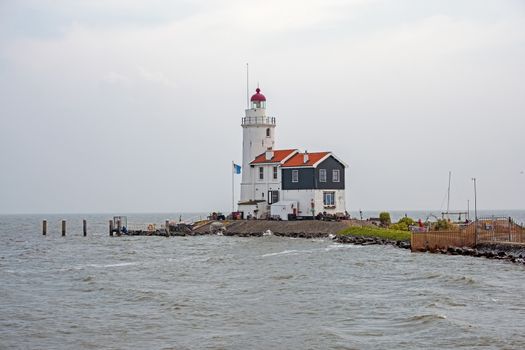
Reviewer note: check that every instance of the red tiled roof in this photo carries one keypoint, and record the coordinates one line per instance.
(278, 156)
(298, 159)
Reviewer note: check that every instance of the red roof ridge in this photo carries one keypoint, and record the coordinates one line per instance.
(279, 155)
(313, 157)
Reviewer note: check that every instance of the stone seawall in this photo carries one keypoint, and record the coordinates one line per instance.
(306, 228)
(295, 229)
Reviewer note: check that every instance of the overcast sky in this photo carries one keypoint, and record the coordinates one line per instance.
(135, 106)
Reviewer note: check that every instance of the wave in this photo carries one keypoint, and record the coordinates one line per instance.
(284, 252)
(342, 246)
(426, 319)
(99, 266)
(465, 280)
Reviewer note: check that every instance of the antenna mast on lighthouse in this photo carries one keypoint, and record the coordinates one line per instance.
(247, 88)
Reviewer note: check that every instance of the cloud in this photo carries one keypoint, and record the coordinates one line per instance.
(156, 77)
(340, 75)
(116, 78)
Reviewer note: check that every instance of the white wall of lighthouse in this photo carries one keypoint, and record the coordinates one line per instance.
(258, 136)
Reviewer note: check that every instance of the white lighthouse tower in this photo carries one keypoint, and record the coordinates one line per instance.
(257, 138)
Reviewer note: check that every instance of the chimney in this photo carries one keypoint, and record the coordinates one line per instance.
(305, 157)
(269, 154)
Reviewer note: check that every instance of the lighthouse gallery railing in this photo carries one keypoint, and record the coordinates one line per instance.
(258, 120)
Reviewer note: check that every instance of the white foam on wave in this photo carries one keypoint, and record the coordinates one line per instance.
(268, 233)
(342, 246)
(99, 266)
(284, 252)
(118, 264)
(334, 246)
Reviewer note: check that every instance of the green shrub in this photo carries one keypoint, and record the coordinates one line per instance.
(443, 225)
(376, 232)
(406, 220)
(401, 226)
(384, 217)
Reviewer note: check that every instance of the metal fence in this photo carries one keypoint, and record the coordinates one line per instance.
(499, 230)
(434, 240)
(485, 230)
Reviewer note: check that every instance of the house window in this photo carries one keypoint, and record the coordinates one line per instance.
(322, 175)
(261, 173)
(329, 199)
(295, 175)
(335, 175)
(273, 197)
(268, 132)
(275, 173)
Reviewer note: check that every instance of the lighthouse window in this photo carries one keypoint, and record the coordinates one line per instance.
(295, 175)
(322, 175)
(268, 132)
(275, 173)
(261, 173)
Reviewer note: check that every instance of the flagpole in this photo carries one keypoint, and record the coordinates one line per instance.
(233, 187)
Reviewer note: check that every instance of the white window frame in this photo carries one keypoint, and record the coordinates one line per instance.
(329, 199)
(295, 176)
(322, 175)
(275, 173)
(261, 173)
(336, 175)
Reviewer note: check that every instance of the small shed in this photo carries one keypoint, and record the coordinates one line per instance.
(281, 209)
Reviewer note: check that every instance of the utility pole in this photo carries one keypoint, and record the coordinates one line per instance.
(475, 210)
(448, 194)
(475, 200)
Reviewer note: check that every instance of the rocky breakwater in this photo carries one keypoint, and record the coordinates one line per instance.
(362, 240)
(500, 251)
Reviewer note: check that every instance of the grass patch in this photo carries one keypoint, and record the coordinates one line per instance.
(376, 232)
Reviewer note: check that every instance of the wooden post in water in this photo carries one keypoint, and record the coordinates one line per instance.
(119, 227)
(44, 227)
(84, 227)
(167, 228)
(63, 228)
(111, 227)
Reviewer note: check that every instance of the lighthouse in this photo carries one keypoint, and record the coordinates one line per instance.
(258, 137)
(285, 183)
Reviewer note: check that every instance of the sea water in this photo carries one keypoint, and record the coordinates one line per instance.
(218, 292)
